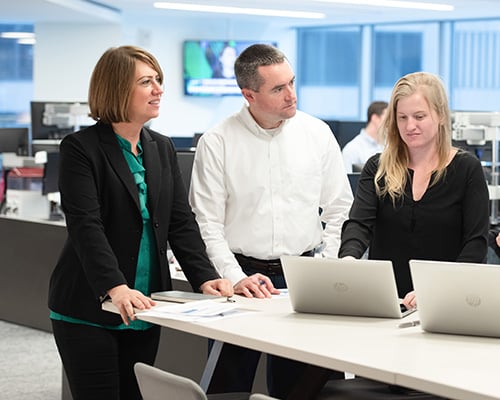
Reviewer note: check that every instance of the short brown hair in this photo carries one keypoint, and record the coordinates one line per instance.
(111, 82)
(377, 108)
(250, 59)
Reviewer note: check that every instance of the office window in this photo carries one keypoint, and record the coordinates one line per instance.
(330, 57)
(16, 74)
(328, 74)
(475, 66)
(399, 49)
(400, 53)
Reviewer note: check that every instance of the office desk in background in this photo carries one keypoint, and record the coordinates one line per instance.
(28, 250)
(456, 367)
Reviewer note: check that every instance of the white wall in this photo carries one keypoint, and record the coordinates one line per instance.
(65, 55)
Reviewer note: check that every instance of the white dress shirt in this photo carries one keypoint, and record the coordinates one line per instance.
(360, 149)
(258, 192)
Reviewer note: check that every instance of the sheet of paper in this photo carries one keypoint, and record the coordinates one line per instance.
(283, 293)
(198, 311)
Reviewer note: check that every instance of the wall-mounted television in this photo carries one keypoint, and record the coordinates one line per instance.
(209, 66)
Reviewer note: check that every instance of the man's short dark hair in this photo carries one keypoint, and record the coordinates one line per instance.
(377, 108)
(250, 59)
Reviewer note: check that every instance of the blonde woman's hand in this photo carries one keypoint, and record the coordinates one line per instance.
(410, 300)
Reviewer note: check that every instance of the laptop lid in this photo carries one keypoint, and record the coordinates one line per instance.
(457, 298)
(364, 288)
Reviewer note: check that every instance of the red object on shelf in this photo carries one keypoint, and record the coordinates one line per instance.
(25, 178)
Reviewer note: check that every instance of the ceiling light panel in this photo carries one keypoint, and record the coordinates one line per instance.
(238, 10)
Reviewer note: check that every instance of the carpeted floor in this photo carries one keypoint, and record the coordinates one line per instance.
(30, 367)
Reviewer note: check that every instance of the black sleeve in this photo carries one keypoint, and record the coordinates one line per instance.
(82, 207)
(357, 231)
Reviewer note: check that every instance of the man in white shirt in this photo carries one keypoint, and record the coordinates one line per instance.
(259, 179)
(367, 142)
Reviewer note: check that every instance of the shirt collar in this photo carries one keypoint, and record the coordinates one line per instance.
(125, 145)
(255, 128)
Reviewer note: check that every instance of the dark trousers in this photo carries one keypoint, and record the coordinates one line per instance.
(99, 363)
(286, 379)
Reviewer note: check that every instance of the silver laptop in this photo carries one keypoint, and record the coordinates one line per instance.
(364, 288)
(457, 298)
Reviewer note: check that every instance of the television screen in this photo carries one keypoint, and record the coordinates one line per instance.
(209, 66)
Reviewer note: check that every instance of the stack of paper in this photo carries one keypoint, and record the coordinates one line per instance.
(203, 310)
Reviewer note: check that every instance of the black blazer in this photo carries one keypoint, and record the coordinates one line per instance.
(100, 201)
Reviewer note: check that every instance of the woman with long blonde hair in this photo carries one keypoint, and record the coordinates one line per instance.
(421, 198)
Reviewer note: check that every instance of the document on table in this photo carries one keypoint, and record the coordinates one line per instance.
(195, 311)
(283, 293)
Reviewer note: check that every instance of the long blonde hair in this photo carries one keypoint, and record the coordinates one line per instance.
(394, 160)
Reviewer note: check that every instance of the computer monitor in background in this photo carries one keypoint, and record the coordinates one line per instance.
(55, 119)
(482, 151)
(185, 159)
(344, 131)
(196, 138)
(357, 167)
(15, 140)
(182, 143)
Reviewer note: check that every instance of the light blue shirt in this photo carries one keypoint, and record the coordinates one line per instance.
(360, 149)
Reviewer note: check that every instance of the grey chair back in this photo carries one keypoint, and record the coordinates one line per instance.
(156, 384)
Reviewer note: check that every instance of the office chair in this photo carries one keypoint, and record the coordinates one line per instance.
(156, 384)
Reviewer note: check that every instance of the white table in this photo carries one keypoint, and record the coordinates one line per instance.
(458, 367)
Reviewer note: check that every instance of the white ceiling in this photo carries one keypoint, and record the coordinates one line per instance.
(114, 10)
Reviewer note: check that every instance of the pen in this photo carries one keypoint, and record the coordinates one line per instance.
(409, 324)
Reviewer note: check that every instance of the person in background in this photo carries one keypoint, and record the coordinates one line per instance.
(259, 179)
(123, 198)
(420, 198)
(226, 59)
(368, 141)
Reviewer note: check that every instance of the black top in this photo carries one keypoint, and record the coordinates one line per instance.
(101, 203)
(449, 223)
